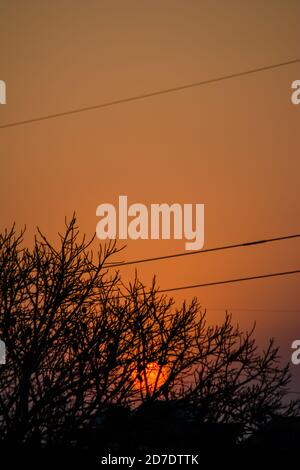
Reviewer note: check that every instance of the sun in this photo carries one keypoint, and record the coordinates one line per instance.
(151, 378)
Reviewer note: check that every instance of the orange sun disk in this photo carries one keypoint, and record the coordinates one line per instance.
(151, 378)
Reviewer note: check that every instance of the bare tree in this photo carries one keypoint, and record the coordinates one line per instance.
(79, 340)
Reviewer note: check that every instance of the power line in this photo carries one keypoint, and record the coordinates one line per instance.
(242, 309)
(208, 250)
(227, 281)
(149, 95)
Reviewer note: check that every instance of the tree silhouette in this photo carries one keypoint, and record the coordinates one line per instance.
(78, 340)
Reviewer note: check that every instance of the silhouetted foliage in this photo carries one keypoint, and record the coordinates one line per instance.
(79, 341)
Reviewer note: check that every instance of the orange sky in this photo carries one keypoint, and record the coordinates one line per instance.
(232, 145)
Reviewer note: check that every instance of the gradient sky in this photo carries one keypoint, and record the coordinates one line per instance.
(232, 145)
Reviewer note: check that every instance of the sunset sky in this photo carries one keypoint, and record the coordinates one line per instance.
(232, 145)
